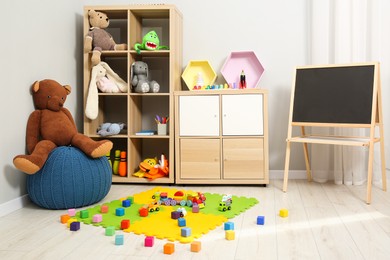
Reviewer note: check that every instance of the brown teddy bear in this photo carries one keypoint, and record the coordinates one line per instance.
(52, 125)
(98, 39)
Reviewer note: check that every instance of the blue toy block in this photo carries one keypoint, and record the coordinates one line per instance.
(126, 203)
(120, 212)
(119, 239)
(229, 226)
(260, 220)
(181, 222)
(186, 232)
(74, 226)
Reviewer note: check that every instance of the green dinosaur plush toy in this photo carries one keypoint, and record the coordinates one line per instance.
(150, 42)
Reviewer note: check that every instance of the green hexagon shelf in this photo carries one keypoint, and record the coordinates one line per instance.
(246, 61)
(196, 69)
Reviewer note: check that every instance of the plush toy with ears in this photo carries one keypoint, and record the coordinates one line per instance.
(51, 125)
(105, 79)
(140, 78)
(98, 39)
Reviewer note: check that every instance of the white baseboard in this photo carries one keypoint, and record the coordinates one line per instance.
(292, 174)
(14, 204)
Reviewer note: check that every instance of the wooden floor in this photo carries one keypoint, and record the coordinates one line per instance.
(326, 221)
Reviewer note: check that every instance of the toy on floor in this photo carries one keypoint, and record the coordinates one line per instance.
(51, 125)
(139, 76)
(150, 42)
(107, 81)
(98, 39)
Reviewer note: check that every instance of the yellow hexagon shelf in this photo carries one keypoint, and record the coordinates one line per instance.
(198, 72)
(239, 61)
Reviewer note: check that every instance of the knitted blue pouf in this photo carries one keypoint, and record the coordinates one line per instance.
(70, 179)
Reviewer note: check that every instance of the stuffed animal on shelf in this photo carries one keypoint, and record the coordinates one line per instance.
(150, 42)
(140, 78)
(107, 129)
(107, 81)
(51, 125)
(98, 39)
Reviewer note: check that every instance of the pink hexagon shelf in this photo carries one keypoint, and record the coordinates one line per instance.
(242, 60)
(194, 69)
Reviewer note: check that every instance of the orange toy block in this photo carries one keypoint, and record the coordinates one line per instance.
(169, 248)
(65, 218)
(196, 246)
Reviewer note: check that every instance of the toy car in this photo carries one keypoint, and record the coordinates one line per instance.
(223, 206)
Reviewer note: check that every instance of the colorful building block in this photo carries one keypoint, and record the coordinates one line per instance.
(195, 208)
(70, 221)
(74, 226)
(229, 234)
(84, 214)
(97, 218)
(228, 226)
(110, 231)
(125, 223)
(143, 212)
(120, 212)
(169, 248)
(186, 232)
(64, 218)
(71, 212)
(119, 239)
(175, 214)
(181, 222)
(196, 246)
(283, 213)
(126, 203)
(260, 220)
(149, 241)
(104, 209)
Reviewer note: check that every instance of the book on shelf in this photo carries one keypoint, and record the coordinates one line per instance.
(145, 132)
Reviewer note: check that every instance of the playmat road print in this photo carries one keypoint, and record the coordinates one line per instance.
(159, 222)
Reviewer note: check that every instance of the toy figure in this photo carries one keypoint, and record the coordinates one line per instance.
(242, 80)
(150, 42)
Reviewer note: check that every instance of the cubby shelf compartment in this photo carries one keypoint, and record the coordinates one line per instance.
(191, 72)
(239, 61)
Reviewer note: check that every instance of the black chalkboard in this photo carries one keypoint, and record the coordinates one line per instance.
(335, 95)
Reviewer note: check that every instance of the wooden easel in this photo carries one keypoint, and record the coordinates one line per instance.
(376, 120)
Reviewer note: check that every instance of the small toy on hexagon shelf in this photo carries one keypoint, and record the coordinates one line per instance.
(150, 42)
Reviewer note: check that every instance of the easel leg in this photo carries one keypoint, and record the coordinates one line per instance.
(369, 175)
(286, 166)
(307, 161)
(382, 144)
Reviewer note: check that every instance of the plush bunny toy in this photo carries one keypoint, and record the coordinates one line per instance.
(140, 80)
(107, 81)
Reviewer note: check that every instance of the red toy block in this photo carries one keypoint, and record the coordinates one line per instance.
(196, 246)
(169, 248)
(143, 212)
(65, 218)
(104, 209)
(149, 241)
(125, 224)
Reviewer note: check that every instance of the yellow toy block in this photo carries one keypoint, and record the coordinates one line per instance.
(70, 221)
(196, 246)
(169, 248)
(230, 234)
(283, 213)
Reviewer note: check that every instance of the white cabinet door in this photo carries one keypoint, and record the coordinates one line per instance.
(242, 114)
(199, 115)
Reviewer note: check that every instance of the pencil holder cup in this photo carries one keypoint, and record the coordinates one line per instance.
(162, 129)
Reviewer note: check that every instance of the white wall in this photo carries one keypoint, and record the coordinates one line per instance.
(43, 39)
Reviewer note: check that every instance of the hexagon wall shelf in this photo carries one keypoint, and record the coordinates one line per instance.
(242, 60)
(194, 67)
